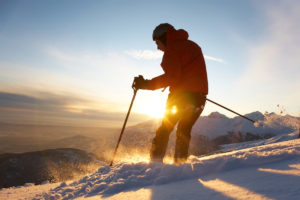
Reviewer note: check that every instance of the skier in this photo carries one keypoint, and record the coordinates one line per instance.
(185, 74)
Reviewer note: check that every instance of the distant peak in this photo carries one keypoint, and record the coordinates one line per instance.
(255, 115)
(216, 115)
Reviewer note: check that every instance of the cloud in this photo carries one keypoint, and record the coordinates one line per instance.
(272, 73)
(78, 59)
(50, 108)
(40, 102)
(60, 54)
(151, 55)
(219, 60)
(276, 58)
(145, 54)
(88, 60)
(106, 64)
(94, 72)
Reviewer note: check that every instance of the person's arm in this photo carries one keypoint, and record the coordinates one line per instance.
(172, 67)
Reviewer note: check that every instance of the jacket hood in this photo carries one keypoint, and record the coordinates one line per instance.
(174, 34)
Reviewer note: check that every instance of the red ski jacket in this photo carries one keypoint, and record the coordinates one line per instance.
(183, 64)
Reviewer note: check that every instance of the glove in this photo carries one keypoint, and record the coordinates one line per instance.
(139, 83)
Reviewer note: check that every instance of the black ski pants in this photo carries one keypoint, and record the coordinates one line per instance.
(183, 108)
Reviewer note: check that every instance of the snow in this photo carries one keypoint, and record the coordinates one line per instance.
(263, 169)
(275, 139)
(26, 192)
(262, 172)
(217, 124)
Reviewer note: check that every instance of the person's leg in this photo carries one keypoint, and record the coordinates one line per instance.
(188, 117)
(183, 135)
(160, 141)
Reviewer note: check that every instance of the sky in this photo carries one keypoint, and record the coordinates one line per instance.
(73, 62)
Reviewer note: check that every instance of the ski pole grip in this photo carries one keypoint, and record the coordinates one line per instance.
(134, 81)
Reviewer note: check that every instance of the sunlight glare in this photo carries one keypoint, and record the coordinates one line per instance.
(152, 104)
(295, 170)
(174, 110)
(137, 158)
(231, 190)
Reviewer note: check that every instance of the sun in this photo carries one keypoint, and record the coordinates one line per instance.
(156, 110)
(152, 104)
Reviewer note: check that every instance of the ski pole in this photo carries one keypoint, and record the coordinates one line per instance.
(230, 110)
(125, 122)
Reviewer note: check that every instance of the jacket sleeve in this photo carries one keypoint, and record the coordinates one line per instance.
(172, 67)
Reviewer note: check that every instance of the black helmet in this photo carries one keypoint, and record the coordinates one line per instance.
(161, 30)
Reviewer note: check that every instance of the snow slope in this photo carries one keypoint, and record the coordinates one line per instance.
(264, 172)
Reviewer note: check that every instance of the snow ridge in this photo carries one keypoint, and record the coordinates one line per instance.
(217, 124)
